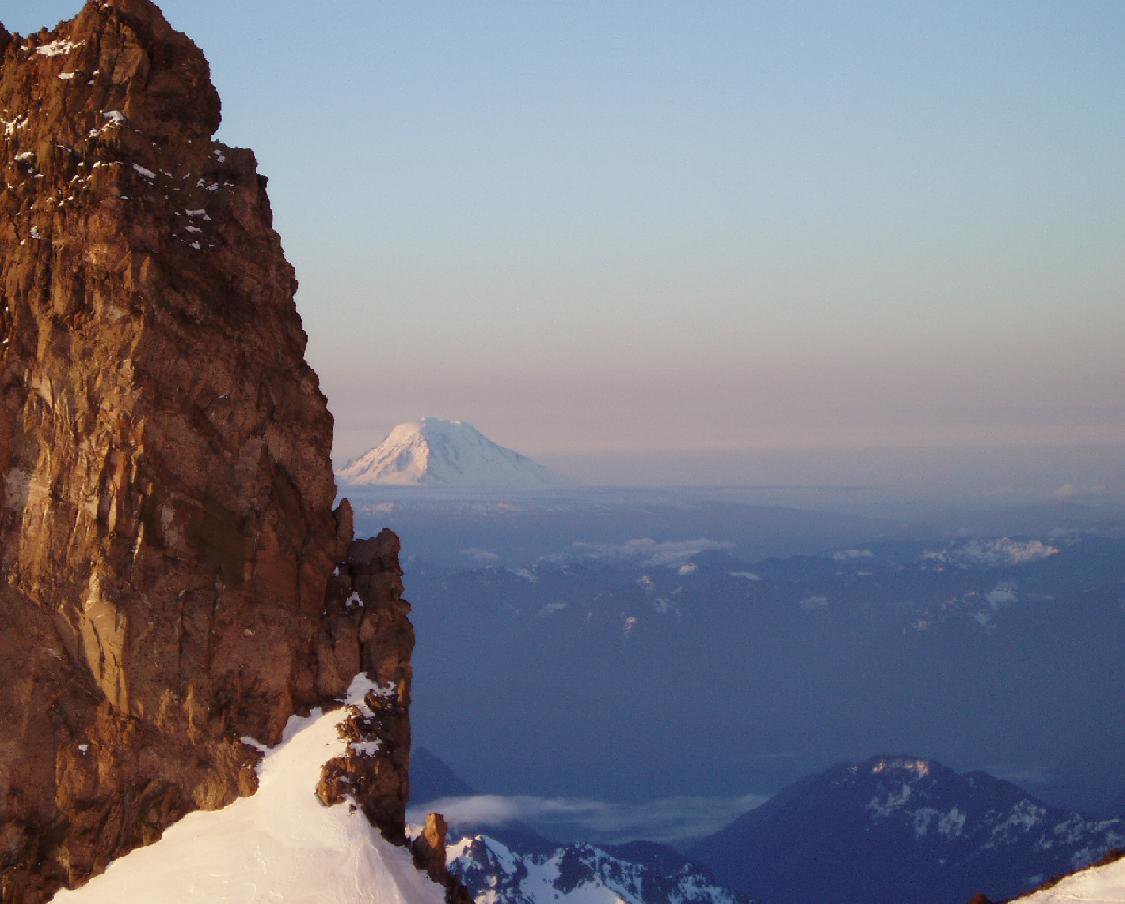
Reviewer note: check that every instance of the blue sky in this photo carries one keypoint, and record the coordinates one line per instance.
(630, 228)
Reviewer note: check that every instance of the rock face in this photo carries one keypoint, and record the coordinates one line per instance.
(431, 855)
(174, 575)
(429, 847)
(367, 629)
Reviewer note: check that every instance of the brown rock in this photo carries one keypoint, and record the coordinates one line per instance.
(429, 847)
(429, 855)
(167, 538)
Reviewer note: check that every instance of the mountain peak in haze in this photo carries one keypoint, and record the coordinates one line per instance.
(440, 453)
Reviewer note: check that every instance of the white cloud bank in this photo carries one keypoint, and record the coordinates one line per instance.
(850, 555)
(646, 551)
(667, 820)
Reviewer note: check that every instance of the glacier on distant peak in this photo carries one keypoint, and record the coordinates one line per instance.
(441, 453)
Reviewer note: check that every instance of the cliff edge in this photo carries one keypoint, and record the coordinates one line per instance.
(175, 578)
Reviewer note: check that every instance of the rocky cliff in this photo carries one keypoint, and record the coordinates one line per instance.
(174, 576)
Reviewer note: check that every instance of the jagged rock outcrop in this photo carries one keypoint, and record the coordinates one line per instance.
(174, 575)
(366, 629)
(429, 846)
(430, 854)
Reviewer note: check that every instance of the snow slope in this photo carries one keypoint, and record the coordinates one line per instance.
(1096, 885)
(281, 844)
(433, 452)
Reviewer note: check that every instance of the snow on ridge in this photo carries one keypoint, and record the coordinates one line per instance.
(436, 452)
(891, 802)
(60, 47)
(998, 552)
(279, 844)
(573, 874)
(918, 767)
(745, 575)
(649, 552)
(949, 824)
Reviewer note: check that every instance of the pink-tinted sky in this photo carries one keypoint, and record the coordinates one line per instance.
(615, 231)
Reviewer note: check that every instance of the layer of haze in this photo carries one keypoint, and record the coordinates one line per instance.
(668, 241)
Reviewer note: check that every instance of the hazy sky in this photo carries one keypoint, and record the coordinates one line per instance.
(604, 227)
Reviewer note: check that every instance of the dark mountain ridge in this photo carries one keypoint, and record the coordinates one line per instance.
(901, 828)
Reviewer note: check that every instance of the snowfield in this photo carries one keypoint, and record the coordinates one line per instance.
(281, 844)
(1096, 885)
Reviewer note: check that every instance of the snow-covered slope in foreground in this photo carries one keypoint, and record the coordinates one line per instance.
(433, 452)
(281, 844)
(1095, 885)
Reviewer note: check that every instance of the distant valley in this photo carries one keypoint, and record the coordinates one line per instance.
(602, 666)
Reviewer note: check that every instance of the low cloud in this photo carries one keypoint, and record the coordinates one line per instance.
(1021, 775)
(850, 555)
(667, 820)
(1077, 491)
(646, 551)
(1002, 595)
(483, 556)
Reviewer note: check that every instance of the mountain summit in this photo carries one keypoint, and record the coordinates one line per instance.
(438, 453)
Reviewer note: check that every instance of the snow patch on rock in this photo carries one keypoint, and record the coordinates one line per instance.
(58, 48)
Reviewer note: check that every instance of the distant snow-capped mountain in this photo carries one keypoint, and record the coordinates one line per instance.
(894, 829)
(640, 873)
(440, 453)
